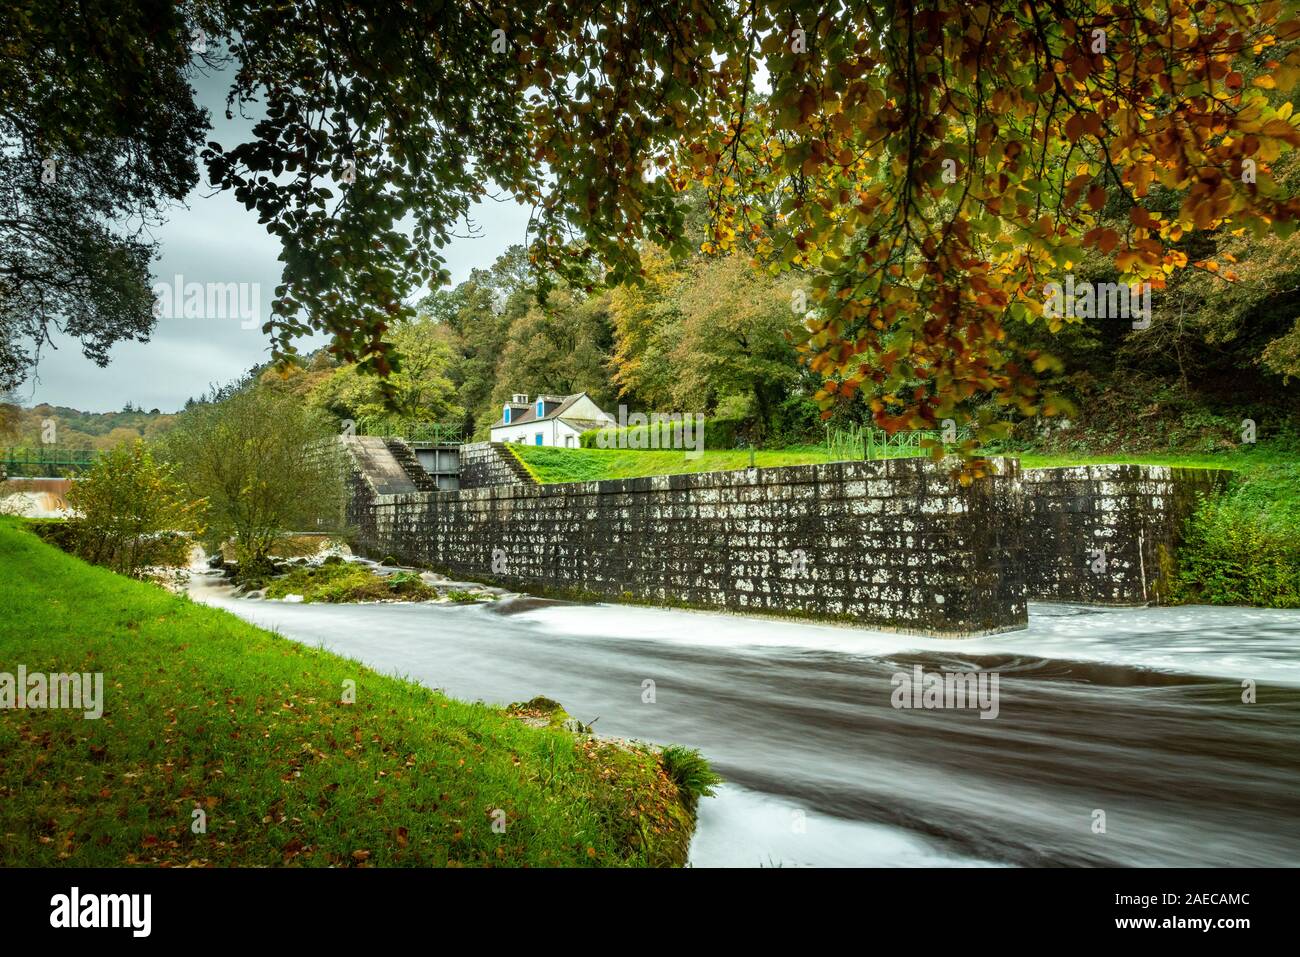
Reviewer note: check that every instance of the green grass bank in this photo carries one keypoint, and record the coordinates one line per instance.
(205, 713)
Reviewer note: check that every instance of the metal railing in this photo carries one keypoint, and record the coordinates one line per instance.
(857, 443)
(20, 461)
(437, 433)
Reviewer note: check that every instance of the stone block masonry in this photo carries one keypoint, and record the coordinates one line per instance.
(1105, 534)
(483, 464)
(895, 544)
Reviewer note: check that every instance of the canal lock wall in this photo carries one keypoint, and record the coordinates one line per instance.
(1106, 534)
(895, 544)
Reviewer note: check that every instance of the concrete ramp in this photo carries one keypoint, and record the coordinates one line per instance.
(378, 466)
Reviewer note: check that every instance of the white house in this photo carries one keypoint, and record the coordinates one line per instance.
(556, 420)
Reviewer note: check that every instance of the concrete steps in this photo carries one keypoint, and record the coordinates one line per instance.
(486, 464)
(405, 456)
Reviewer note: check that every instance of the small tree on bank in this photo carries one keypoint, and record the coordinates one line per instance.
(264, 465)
(128, 510)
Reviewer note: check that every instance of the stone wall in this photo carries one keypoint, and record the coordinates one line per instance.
(892, 544)
(484, 464)
(1104, 534)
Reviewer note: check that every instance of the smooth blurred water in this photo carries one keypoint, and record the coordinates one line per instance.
(1134, 712)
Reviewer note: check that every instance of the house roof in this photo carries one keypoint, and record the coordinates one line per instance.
(530, 412)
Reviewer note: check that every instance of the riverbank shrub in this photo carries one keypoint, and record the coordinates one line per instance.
(1243, 546)
(690, 772)
(263, 465)
(129, 514)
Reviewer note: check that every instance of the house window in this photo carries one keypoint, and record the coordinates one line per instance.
(568, 441)
(538, 440)
(505, 415)
(540, 412)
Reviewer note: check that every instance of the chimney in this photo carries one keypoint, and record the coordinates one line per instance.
(519, 398)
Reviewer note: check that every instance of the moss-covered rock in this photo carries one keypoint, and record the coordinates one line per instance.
(349, 582)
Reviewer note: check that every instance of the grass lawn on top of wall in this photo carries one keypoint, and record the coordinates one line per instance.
(550, 465)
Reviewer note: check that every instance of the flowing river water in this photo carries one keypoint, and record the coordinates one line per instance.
(1131, 719)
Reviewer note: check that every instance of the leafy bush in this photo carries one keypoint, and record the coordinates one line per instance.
(264, 465)
(691, 773)
(722, 433)
(1243, 547)
(129, 514)
(56, 531)
(797, 419)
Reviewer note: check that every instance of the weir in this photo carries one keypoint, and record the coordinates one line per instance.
(894, 544)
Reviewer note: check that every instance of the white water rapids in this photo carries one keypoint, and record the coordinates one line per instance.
(1135, 713)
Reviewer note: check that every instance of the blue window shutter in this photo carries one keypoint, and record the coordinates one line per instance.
(540, 410)
(507, 415)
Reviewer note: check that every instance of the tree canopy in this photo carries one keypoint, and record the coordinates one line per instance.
(99, 133)
(923, 168)
(938, 163)
(934, 162)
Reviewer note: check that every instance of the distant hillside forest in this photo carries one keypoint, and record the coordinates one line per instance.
(70, 428)
(712, 335)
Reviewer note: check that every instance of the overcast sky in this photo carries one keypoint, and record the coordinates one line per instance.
(214, 239)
